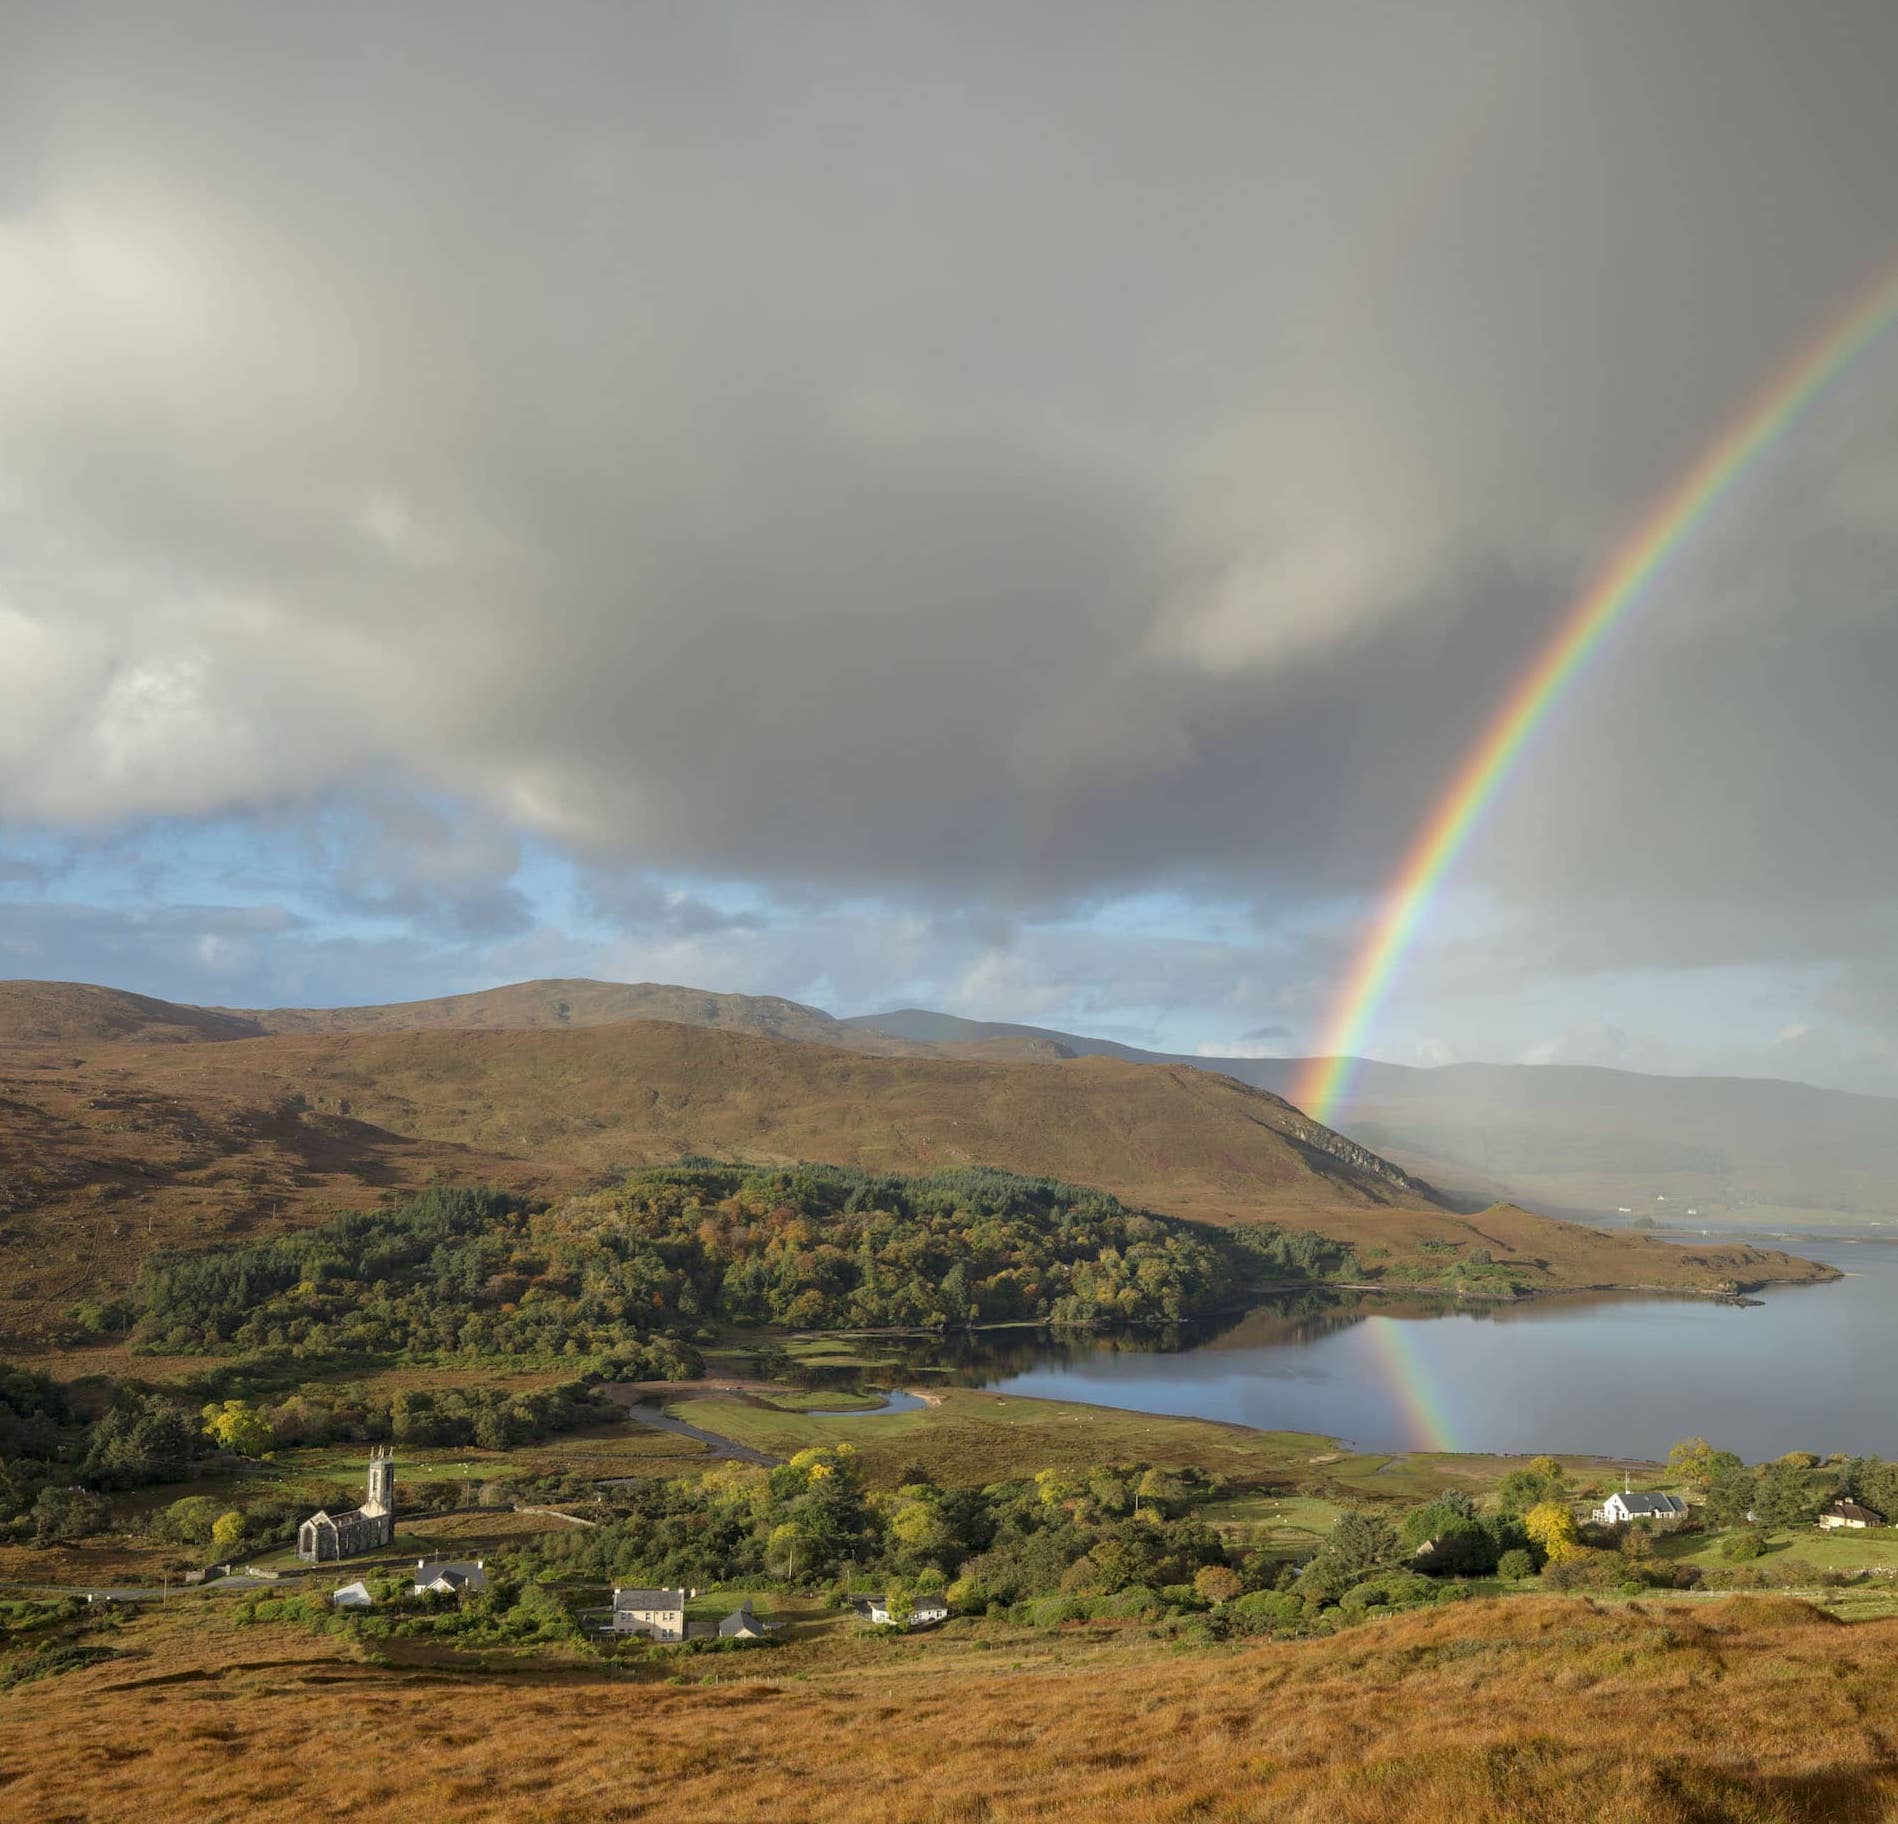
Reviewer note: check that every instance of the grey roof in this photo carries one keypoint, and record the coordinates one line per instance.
(1851, 1510)
(1653, 1504)
(741, 1621)
(649, 1599)
(459, 1573)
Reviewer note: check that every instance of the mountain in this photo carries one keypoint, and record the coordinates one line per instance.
(533, 1006)
(133, 1145)
(1571, 1141)
(64, 1013)
(67, 1013)
(1568, 1139)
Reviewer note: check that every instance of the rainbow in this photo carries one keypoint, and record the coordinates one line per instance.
(1583, 629)
(1412, 1384)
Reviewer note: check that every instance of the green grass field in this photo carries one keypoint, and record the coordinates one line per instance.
(1289, 1525)
(972, 1436)
(1874, 1550)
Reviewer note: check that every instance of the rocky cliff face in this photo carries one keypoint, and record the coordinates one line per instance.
(1319, 1139)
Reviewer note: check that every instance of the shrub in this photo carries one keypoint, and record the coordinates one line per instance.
(1261, 1609)
(1750, 1543)
(1135, 1601)
(1516, 1565)
(68, 1656)
(1584, 1569)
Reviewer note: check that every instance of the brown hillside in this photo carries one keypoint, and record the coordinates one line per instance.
(540, 1005)
(72, 1013)
(133, 1146)
(645, 1091)
(1760, 1711)
(63, 1013)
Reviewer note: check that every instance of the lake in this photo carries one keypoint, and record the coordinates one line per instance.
(1808, 1368)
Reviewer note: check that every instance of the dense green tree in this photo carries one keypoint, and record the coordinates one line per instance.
(1357, 1543)
(1539, 1480)
(1728, 1498)
(1784, 1495)
(61, 1514)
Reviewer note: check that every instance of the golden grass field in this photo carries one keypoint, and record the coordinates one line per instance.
(1756, 1710)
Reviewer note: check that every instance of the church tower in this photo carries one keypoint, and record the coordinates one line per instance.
(381, 1500)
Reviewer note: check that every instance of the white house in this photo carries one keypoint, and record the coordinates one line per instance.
(446, 1577)
(658, 1614)
(925, 1613)
(1625, 1505)
(353, 1596)
(1848, 1514)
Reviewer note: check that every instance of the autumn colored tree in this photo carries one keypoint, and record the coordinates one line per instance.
(237, 1425)
(1217, 1583)
(1696, 1461)
(1552, 1527)
(227, 1533)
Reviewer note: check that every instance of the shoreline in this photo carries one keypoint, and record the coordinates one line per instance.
(1740, 1292)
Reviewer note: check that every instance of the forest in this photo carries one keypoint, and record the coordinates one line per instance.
(634, 1271)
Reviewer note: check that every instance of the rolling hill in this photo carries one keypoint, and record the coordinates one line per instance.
(1577, 1142)
(63, 1013)
(108, 1150)
(77, 1013)
(1569, 1139)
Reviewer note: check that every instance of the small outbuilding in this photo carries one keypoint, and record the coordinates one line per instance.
(742, 1624)
(353, 1596)
(1848, 1514)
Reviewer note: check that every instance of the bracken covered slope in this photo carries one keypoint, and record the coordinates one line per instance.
(1746, 1711)
(78, 1013)
(108, 1152)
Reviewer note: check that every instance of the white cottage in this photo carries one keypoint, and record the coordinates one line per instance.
(443, 1577)
(1625, 1505)
(926, 1612)
(1848, 1514)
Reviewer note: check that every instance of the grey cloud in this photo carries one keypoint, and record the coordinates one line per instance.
(983, 459)
(639, 905)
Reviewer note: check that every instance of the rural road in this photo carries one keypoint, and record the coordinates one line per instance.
(153, 1593)
(655, 1420)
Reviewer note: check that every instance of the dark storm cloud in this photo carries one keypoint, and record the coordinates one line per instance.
(967, 455)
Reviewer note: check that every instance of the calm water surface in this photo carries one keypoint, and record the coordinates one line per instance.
(1809, 1368)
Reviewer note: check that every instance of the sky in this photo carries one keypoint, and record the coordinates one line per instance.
(1013, 509)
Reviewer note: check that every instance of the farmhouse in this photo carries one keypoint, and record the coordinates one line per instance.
(325, 1537)
(658, 1614)
(1626, 1505)
(1848, 1514)
(445, 1577)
